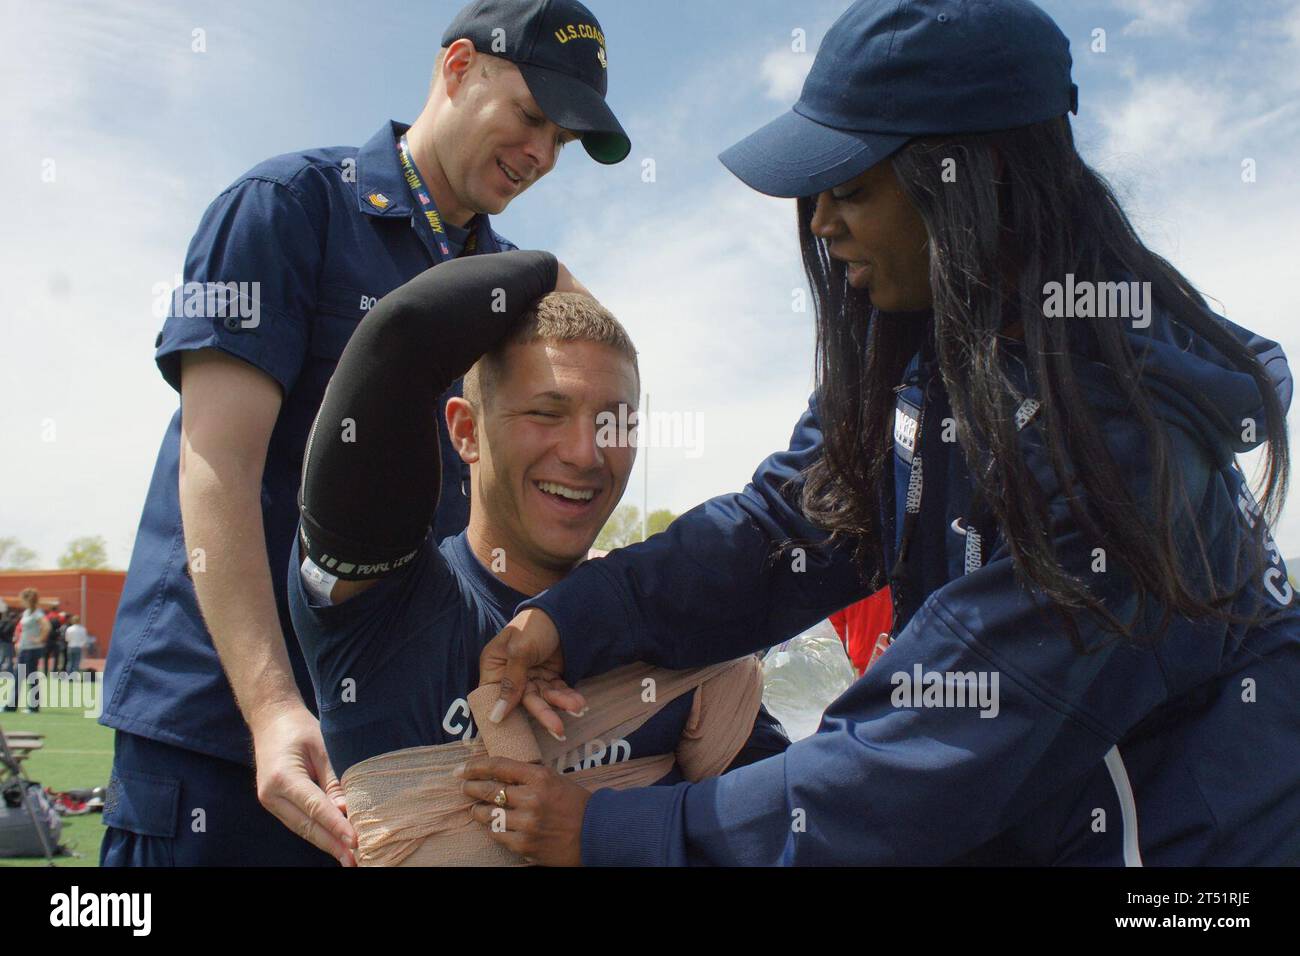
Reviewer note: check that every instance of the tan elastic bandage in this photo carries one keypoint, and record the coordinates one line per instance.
(408, 810)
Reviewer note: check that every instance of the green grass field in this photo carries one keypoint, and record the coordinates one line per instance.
(78, 753)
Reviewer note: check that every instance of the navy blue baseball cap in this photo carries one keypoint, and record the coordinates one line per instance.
(888, 71)
(559, 48)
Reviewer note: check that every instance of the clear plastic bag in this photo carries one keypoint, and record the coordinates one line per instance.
(803, 675)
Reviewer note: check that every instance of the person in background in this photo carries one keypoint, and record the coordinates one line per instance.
(33, 631)
(75, 638)
(8, 623)
(54, 660)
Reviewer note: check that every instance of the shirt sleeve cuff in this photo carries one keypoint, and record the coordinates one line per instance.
(632, 827)
(274, 346)
(594, 625)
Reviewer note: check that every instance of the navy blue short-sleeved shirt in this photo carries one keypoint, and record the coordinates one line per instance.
(394, 666)
(284, 265)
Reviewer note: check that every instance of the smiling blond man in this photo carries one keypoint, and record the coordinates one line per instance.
(391, 621)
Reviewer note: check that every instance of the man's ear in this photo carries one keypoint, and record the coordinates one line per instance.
(456, 65)
(463, 429)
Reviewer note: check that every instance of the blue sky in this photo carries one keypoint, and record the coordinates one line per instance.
(141, 132)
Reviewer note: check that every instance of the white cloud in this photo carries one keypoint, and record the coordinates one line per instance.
(1174, 145)
(1167, 118)
(1159, 16)
(1176, 118)
(84, 405)
(1291, 25)
(783, 73)
(710, 306)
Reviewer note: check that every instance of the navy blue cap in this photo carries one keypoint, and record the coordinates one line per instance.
(888, 71)
(559, 48)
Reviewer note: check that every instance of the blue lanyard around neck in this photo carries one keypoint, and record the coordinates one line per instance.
(436, 237)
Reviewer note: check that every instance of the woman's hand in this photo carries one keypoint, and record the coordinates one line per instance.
(525, 658)
(542, 816)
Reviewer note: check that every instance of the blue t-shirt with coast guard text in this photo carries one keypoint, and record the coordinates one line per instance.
(393, 666)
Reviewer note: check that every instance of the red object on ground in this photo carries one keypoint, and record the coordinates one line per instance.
(65, 805)
(864, 628)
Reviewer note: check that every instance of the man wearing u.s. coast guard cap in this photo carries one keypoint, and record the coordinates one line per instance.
(559, 50)
(205, 683)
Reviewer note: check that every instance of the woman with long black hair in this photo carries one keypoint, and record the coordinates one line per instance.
(1026, 423)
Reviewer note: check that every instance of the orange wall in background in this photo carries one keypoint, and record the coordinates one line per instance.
(91, 594)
